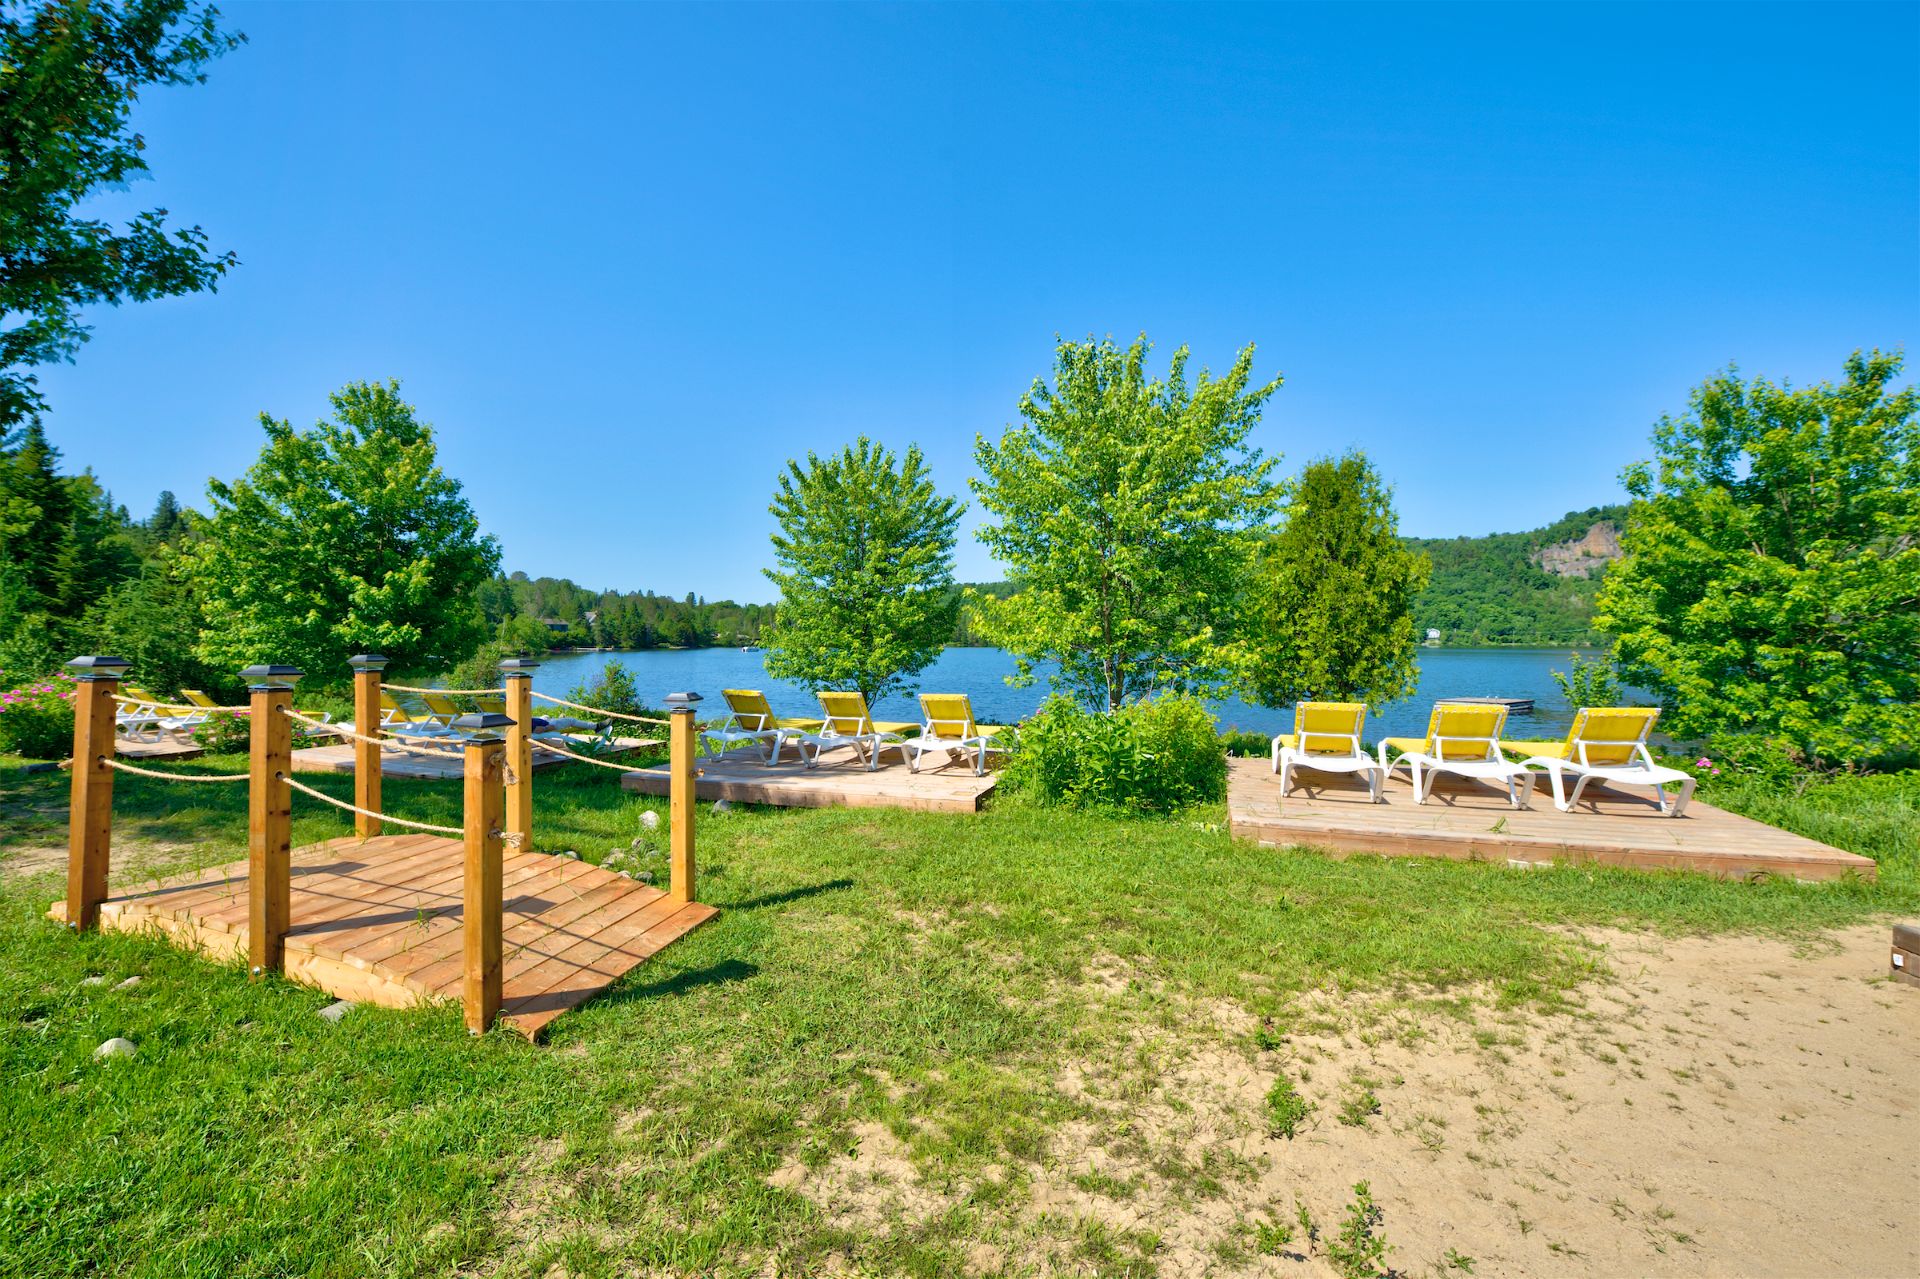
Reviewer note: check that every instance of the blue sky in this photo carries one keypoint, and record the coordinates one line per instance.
(629, 259)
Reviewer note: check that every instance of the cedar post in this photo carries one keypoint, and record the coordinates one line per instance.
(680, 796)
(90, 808)
(269, 816)
(366, 754)
(517, 675)
(481, 906)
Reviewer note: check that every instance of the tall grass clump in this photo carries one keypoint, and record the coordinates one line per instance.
(1147, 757)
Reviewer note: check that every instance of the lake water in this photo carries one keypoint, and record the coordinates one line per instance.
(981, 673)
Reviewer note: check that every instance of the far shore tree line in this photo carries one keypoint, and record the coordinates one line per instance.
(1769, 592)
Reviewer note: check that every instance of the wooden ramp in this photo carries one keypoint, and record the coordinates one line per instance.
(379, 920)
(840, 781)
(1467, 821)
(442, 766)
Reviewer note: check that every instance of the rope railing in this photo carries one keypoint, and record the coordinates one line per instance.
(325, 798)
(450, 692)
(595, 710)
(341, 730)
(173, 777)
(584, 759)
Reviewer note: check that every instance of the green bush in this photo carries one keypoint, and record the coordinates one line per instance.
(613, 689)
(1244, 744)
(230, 732)
(1149, 757)
(36, 718)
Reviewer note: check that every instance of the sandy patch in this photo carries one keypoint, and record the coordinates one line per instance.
(1730, 1106)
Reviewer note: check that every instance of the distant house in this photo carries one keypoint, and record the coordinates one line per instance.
(1433, 636)
(558, 628)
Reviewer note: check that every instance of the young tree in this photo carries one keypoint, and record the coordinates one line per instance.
(1333, 608)
(865, 571)
(70, 74)
(345, 539)
(1772, 574)
(1129, 511)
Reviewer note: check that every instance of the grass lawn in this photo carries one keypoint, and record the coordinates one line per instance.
(926, 975)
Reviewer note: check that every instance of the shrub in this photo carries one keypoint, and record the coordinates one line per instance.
(1770, 760)
(1588, 683)
(1148, 757)
(613, 689)
(1246, 745)
(1286, 1108)
(1358, 1251)
(230, 732)
(36, 718)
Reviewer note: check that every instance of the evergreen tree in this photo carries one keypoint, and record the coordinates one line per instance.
(1334, 600)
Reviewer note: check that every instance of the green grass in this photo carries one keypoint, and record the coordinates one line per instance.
(925, 973)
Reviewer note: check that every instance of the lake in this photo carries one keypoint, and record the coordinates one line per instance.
(981, 673)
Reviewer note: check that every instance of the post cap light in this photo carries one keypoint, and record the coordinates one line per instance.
(267, 676)
(92, 668)
(682, 701)
(518, 666)
(368, 662)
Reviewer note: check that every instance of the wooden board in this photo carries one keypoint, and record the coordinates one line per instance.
(1465, 820)
(338, 758)
(841, 781)
(380, 921)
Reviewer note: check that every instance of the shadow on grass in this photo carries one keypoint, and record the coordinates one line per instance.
(789, 895)
(720, 974)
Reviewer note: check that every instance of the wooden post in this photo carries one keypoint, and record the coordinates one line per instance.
(90, 808)
(481, 906)
(680, 744)
(269, 817)
(366, 754)
(517, 675)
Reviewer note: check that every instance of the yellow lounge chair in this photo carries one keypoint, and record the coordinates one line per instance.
(751, 719)
(949, 725)
(1607, 744)
(847, 722)
(1463, 739)
(401, 722)
(206, 704)
(1326, 738)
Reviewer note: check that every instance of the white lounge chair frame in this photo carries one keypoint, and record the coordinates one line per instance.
(1492, 766)
(864, 737)
(1288, 758)
(1642, 771)
(932, 739)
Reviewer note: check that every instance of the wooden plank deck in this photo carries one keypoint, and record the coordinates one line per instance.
(1467, 821)
(379, 920)
(172, 748)
(841, 781)
(445, 766)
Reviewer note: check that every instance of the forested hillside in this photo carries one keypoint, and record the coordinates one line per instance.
(1519, 588)
(617, 619)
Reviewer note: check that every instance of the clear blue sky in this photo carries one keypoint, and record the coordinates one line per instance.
(630, 259)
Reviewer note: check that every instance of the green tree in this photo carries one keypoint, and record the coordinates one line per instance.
(1129, 511)
(71, 72)
(1772, 574)
(1333, 607)
(343, 539)
(865, 570)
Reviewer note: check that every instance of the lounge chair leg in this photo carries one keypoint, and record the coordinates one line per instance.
(1285, 769)
(1420, 792)
(1579, 786)
(1686, 794)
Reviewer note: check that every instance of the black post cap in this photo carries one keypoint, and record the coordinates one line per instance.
(98, 667)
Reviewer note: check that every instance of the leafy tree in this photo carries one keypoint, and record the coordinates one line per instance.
(1129, 512)
(865, 571)
(1333, 607)
(343, 539)
(1772, 577)
(154, 620)
(70, 74)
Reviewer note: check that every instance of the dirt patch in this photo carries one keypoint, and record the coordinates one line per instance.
(1726, 1106)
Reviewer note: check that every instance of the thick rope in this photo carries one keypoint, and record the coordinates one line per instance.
(385, 743)
(325, 798)
(595, 710)
(175, 777)
(450, 692)
(584, 759)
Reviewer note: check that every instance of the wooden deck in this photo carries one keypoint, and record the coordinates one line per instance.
(444, 766)
(173, 748)
(1467, 821)
(841, 781)
(379, 920)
